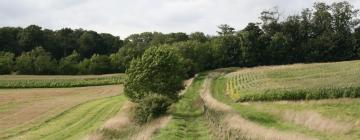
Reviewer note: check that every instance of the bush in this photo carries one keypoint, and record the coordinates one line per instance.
(159, 71)
(6, 62)
(151, 107)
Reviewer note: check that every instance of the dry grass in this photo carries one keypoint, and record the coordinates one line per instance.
(122, 119)
(21, 109)
(150, 128)
(315, 121)
(246, 128)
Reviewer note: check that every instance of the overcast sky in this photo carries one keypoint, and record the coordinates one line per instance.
(125, 17)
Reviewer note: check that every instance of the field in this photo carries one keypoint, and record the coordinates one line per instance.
(280, 107)
(300, 102)
(295, 82)
(28, 81)
(57, 113)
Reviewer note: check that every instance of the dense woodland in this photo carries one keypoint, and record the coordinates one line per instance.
(325, 32)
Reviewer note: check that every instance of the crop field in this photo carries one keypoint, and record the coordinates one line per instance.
(57, 113)
(295, 82)
(28, 81)
(335, 118)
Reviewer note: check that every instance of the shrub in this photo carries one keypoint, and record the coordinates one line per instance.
(151, 107)
(159, 71)
(6, 62)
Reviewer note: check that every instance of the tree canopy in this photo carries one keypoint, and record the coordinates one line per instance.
(323, 33)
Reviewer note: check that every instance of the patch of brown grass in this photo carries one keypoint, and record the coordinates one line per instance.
(122, 120)
(148, 129)
(315, 121)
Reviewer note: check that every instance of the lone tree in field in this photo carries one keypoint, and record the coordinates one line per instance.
(154, 80)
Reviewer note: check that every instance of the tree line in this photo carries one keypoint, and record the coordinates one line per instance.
(323, 33)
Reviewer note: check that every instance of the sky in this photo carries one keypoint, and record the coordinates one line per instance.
(125, 17)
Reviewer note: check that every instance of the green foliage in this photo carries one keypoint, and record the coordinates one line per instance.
(37, 61)
(84, 66)
(153, 81)
(99, 64)
(116, 63)
(159, 71)
(196, 56)
(62, 83)
(69, 64)
(151, 107)
(24, 64)
(225, 51)
(6, 62)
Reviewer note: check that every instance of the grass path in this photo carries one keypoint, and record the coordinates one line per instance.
(76, 122)
(187, 117)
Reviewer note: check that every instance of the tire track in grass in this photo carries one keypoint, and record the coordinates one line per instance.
(76, 122)
(187, 121)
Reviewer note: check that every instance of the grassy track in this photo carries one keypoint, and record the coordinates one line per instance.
(295, 82)
(76, 122)
(188, 121)
(59, 81)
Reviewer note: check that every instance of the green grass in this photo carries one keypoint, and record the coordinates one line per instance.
(295, 82)
(58, 82)
(188, 121)
(76, 122)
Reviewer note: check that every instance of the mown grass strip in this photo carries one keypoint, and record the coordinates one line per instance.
(188, 121)
(77, 122)
(62, 83)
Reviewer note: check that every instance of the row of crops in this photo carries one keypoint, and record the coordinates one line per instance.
(295, 82)
(63, 83)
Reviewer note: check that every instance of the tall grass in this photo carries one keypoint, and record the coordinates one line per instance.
(62, 83)
(302, 94)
